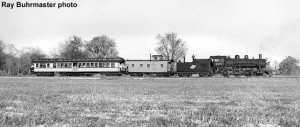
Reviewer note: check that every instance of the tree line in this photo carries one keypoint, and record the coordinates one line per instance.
(18, 62)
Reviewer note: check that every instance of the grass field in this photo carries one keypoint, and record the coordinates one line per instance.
(239, 102)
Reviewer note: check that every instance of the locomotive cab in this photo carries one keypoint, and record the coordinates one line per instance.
(218, 63)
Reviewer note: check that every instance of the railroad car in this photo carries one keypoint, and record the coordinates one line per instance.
(87, 66)
(201, 67)
(239, 67)
(156, 66)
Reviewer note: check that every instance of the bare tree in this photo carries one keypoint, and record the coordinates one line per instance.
(12, 62)
(27, 55)
(170, 46)
(276, 64)
(102, 46)
(72, 48)
(289, 66)
(54, 53)
(2, 55)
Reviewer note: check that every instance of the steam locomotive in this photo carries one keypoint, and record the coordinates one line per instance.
(227, 66)
(155, 66)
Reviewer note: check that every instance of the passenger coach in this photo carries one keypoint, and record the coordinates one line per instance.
(87, 66)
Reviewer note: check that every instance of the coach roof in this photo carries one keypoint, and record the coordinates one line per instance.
(117, 59)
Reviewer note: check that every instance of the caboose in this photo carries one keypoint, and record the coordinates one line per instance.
(155, 66)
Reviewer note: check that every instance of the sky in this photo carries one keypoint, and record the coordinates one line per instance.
(209, 27)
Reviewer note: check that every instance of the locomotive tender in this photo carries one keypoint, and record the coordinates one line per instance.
(156, 66)
(201, 67)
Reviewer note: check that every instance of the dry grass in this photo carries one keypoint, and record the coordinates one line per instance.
(247, 102)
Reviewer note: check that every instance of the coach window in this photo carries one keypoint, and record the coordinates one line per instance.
(161, 65)
(66, 65)
(132, 65)
(96, 65)
(148, 65)
(92, 65)
(108, 65)
(43, 65)
(70, 65)
(83, 65)
(141, 65)
(48, 65)
(112, 65)
(100, 65)
(37, 65)
(54, 65)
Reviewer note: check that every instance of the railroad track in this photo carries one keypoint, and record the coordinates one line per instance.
(124, 77)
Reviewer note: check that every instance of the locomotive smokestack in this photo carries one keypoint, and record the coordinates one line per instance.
(193, 57)
(260, 56)
(183, 59)
(150, 56)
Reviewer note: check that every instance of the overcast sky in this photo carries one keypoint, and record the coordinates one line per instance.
(209, 27)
